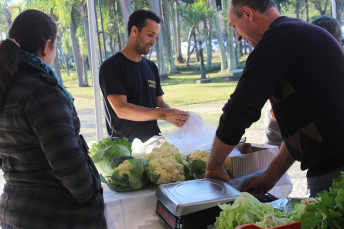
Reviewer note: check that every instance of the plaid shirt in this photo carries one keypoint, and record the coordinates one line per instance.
(50, 180)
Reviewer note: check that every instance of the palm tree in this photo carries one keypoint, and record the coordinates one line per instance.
(154, 6)
(224, 62)
(167, 32)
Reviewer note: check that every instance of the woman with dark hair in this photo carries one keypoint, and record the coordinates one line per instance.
(50, 180)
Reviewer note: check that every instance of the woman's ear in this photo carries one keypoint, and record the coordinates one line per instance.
(47, 48)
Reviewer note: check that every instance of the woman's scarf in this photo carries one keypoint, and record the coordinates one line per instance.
(35, 59)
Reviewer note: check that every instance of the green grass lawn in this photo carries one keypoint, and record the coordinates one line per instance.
(180, 89)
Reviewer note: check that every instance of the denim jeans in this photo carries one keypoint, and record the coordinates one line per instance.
(5, 226)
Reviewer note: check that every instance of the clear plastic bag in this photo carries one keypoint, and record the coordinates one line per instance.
(195, 134)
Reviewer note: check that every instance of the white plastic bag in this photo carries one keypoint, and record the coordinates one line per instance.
(195, 134)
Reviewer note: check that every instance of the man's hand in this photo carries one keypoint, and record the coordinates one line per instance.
(261, 184)
(218, 174)
(218, 154)
(176, 117)
(258, 185)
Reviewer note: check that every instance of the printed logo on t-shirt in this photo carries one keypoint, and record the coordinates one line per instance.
(151, 83)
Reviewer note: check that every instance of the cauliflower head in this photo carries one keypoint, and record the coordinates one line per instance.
(163, 151)
(168, 169)
(200, 155)
(166, 164)
(123, 168)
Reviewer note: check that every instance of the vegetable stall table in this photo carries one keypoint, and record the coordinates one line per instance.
(137, 209)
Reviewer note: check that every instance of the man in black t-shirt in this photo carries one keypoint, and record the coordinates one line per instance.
(131, 86)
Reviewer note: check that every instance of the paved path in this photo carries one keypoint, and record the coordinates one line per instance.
(88, 129)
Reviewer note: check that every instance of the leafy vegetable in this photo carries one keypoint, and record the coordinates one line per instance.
(198, 162)
(128, 176)
(105, 154)
(299, 209)
(328, 210)
(247, 209)
(270, 220)
(119, 160)
(105, 159)
(106, 142)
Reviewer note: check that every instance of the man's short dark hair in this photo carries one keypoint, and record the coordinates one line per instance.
(259, 5)
(138, 19)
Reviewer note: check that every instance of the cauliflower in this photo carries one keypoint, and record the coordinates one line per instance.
(198, 162)
(200, 155)
(168, 169)
(166, 164)
(163, 151)
(125, 167)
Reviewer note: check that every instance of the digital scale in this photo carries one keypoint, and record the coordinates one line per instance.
(194, 203)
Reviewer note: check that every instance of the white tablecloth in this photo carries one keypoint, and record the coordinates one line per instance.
(131, 210)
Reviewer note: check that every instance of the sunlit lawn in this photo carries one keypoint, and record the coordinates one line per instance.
(180, 89)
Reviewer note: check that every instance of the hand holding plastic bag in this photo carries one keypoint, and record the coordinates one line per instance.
(195, 134)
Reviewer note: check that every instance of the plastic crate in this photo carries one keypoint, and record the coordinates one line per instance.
(294, 225)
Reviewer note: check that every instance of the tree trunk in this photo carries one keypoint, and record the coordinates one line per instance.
(179, 48)
(195, 45)
(307, 10)
(126, 11)
(189, 41)
(84, 66)
(56, 65)
(154, 6)
(66, 63)
(231, 51)
(318, 6)
(76, 52)
(84, 16)
(167, 30)
(224, 62)
(8, 19)
(339, 9)
(208, 38)
(174, 28)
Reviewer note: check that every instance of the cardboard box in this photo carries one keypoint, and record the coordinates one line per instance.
(256, 157)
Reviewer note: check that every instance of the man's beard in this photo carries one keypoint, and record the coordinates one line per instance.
(139, 48)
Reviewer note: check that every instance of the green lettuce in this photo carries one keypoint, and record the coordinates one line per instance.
(271, 220)
(106, 142)
(247, 209)
(106, 154)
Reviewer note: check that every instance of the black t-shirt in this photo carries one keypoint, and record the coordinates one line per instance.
(140, 82)
(299, 67)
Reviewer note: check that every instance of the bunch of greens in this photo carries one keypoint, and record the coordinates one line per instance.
(117, 168)
(108, 154)
(128, 176)
(246, 209)
(328, 210)
(106, 142)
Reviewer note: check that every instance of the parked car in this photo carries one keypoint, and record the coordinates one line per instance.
(214, 46)
(184, 47)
